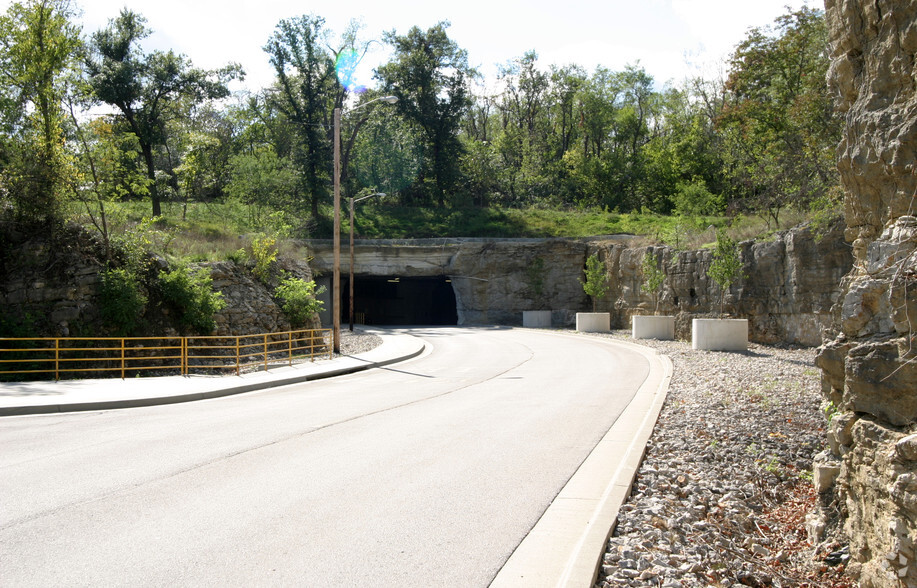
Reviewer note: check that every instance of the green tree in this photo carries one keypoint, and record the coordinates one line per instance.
(307, 91)
(779, 124)
(726, 267)
(653, 277)
(39, 48)
(429, 74)
(596, 283)
(108, 164)
(262, 180)
(143, 87)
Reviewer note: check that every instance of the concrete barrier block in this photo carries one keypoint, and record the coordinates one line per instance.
(719, 334)
(653, 327)
(536, 319)
(593, 322)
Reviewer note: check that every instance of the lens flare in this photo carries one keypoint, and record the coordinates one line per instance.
(346, 67)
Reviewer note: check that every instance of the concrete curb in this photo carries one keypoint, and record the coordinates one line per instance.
(566, 545)
(406, 347)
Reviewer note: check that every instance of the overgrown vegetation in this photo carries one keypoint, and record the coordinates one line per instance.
(190, 294)
(558, 151)
(298, 300)
(122, 300)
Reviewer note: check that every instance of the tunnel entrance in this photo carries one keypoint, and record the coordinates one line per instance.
(392, 300)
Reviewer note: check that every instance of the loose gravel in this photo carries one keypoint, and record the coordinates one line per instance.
(723, 491)
(356, 342)
(724, 488)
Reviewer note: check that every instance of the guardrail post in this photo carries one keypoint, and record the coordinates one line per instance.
(122, 359)
(56, 360)
(237, 354)
(290, 347)
(265, 352)
(183, 342)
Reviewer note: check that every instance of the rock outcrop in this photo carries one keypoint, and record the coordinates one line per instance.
(789, 288)
(50, 286)
(870, 362)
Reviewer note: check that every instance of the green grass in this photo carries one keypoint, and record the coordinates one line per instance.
(217, 231)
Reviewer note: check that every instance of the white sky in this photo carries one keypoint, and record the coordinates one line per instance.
(670, 38)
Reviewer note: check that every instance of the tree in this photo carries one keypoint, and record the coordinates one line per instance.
(307, 92)
(38, 51)
(779, 123)
(596, 283)
(653, 277)
(726, 267)
(143, 86)
(429, 74)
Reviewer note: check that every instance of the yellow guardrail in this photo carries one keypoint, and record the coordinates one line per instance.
(131, 356)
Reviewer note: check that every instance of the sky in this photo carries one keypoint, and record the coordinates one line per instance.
(671, 39)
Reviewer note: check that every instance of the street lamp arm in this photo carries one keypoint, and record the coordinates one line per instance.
(379, 194)
(387, 99)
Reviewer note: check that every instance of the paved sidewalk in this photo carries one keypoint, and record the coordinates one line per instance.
(101, 394)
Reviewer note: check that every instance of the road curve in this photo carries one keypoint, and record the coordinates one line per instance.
(426, 473)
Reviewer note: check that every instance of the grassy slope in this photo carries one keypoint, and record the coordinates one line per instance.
(218, 231)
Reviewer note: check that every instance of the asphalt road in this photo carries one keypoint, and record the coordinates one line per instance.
(426, 473)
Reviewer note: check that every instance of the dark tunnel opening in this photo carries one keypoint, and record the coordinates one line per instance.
(393, 300)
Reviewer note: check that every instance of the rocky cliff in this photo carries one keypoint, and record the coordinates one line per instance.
(49, 285)
(790, 284)
(870, 362)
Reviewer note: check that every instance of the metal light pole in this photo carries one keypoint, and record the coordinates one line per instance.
(336, 237)
(352, 202)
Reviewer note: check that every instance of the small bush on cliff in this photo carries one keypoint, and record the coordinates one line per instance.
(264, 250)
(298, 299)
(190, 293)
(122, 300)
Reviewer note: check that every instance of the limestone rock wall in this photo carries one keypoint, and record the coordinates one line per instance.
(52, 288)
(790, 286)
(250, 308)
(869, 363)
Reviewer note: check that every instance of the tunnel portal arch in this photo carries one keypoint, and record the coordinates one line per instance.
(398, 300)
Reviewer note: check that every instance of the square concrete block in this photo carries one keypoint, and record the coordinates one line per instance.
(593, 322)
(719, 334)
(653, 327)
(536, 319)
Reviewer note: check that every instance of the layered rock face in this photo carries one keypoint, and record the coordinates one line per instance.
(789, 288)
(53, 288)
(870, 364)
(787, 292)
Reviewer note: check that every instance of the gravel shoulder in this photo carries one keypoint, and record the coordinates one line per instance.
(725, 486)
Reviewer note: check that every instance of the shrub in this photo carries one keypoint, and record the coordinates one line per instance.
(190, 293)
(596, 283)
(122, 300)
(264, 250)
(726, 267)
(298, 299)
(653, 277)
